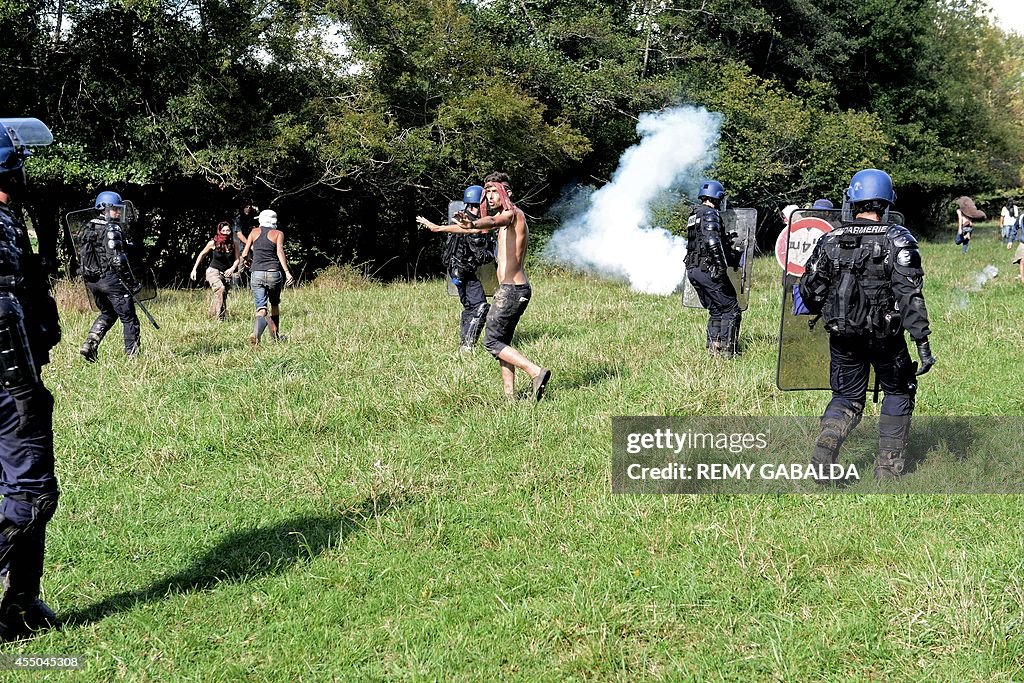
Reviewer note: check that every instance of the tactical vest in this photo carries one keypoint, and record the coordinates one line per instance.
(10, 252)
(468, 252)
(860, 300)
(704, 221)
(22, 273)
(96, 258)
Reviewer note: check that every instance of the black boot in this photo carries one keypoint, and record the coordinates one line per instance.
(91, 346)
(25, 618)
(892, 447)
(834, 431)
(22, 613)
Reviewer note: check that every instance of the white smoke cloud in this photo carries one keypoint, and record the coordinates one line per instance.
(975, 282)
(611, 235)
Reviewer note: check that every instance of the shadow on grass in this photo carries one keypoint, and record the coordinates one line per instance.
(589, 377)
(247, 555)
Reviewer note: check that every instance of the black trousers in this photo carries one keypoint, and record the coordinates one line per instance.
(719, 297)
(474, 310)
(115, 303)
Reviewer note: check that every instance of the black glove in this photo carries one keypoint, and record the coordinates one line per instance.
(924, 352)
(34, 404)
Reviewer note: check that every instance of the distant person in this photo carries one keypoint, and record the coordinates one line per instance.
(964, 229)
(823, 205)
(709, 255)
(108, 275)
(224, 259)
(463, 254)
(270, 275)
(966, 213)
(1008, 217)
(1017, 232)
(865, 279)
(514, 291)
(245, 220)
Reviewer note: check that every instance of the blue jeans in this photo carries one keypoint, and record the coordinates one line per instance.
(266, 288)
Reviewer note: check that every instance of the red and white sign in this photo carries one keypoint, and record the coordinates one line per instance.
(800, 237)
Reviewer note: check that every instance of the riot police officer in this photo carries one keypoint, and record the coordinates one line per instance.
(109, 277)
(865, 278)
(709, 254)
(29, 328)
(462, 255)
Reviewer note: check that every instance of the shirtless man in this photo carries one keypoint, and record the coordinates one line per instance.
(513, 295)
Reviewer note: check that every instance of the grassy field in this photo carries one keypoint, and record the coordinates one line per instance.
(360, 503)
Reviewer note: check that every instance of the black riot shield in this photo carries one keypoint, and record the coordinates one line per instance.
(486, 273)
(741, 227)
(803, 357)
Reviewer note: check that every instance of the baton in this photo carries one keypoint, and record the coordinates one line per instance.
(138, 303)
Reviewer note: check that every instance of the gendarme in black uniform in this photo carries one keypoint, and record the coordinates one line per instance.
(105, 269)
(463, 254)
(29, 328)
(709, 254)
(866, 280)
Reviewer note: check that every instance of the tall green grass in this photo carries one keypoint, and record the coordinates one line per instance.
(360, 502)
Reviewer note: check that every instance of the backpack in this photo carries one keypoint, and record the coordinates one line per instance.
(466, 253)
(859, 301)
(93, 263)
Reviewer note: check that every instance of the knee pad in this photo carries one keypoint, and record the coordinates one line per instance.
(25, 512)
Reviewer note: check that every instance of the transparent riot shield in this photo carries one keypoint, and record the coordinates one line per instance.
(75, 223)
(488, 276)
(803, 357)
(741, 227)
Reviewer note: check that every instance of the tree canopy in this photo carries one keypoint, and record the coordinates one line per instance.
(349, 117)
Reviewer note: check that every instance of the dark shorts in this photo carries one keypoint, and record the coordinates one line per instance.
(510, 301)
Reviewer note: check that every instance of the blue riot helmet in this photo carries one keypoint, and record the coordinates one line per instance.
(871, 184)
(711, 189)
(108, 198)
(474, 194)
(111, 206)
(10, 158)
(823, 205)
(17, 137)
(867, 185)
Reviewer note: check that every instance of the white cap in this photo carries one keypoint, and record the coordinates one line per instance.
(268, 219)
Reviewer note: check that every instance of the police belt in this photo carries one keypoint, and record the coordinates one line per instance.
(9, 283)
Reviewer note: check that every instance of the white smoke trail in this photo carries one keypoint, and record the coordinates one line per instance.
(977, 281)
(611, 236)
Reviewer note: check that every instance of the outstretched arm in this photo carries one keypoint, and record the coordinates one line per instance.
(206, 250)
(454, 227)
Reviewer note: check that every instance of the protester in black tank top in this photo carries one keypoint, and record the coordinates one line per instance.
(270, 275)
(223, 262)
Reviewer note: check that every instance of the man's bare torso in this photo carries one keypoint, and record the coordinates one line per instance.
(513, 240)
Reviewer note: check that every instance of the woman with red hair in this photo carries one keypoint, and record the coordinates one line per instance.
(222, 265)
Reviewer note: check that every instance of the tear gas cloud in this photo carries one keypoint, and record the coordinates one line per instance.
(608, 232)
(975, 282)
